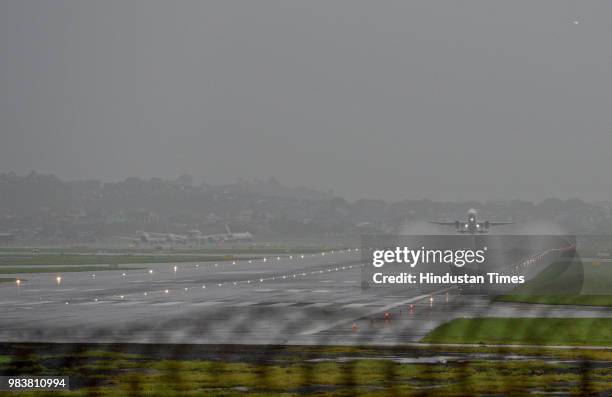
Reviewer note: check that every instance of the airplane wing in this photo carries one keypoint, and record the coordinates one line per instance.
(442, 223)
(500, 223)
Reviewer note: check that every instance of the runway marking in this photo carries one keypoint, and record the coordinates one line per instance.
(244, 304)
(40, 302)
(347, 300)
(207, 303)
(11, 303)
(282, 304)
(320, 304)
(338, 323)
(350, 305)
(167, 303)
(265, 290)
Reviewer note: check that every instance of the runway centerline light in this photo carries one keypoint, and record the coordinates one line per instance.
(166, 291)
(58, 279)
(18, 282)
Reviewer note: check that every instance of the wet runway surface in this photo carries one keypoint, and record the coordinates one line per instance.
(310, 299)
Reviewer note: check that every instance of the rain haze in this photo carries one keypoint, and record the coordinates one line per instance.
(396, 99)
(315, 197)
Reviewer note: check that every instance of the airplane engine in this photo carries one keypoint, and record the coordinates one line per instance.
(457, 225)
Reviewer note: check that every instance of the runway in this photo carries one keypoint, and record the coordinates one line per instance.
(313, 299)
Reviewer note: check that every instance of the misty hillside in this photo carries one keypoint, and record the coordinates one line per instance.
(45, 208)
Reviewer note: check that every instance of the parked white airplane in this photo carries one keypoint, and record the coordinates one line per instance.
(156, 238)
(196, 235)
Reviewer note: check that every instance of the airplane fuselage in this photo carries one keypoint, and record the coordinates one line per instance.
(472, 225)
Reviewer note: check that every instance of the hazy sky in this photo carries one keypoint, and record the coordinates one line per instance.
(393, 99)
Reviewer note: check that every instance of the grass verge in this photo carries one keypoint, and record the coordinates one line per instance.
(525, 331)
(56, 269)
(580, 300)
(278, 373)
(81, 259)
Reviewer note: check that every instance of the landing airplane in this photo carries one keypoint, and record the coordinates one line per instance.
(472, 225)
